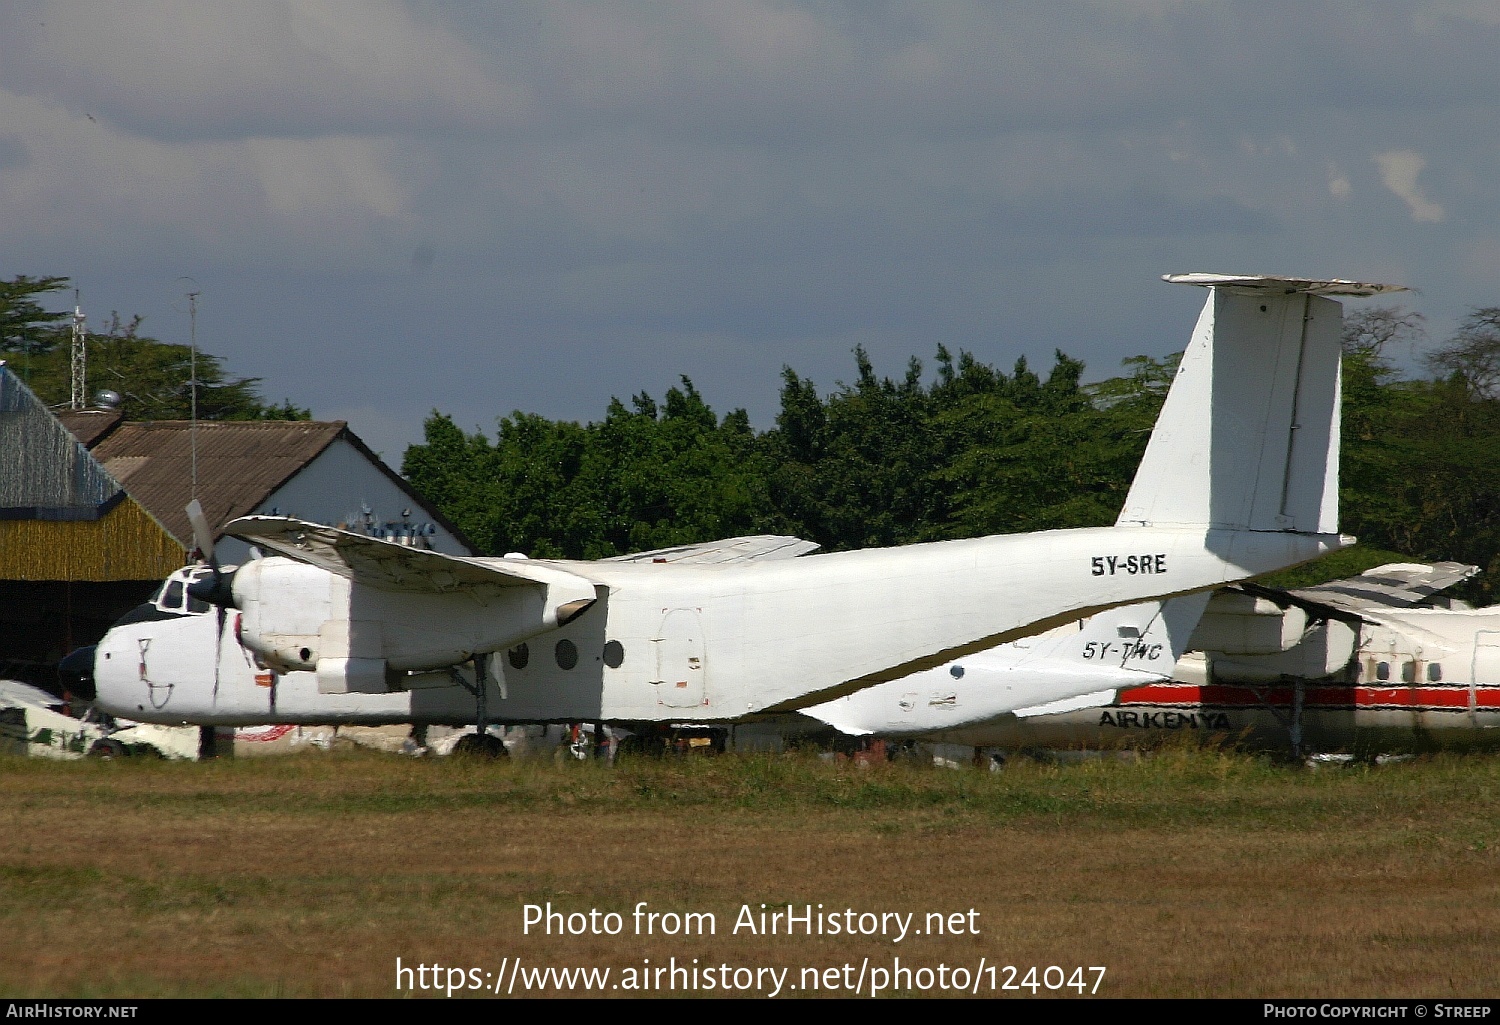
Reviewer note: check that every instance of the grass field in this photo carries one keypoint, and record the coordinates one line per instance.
(1189, 873)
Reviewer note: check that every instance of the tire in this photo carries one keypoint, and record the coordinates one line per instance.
(475, 745)
(107, 747)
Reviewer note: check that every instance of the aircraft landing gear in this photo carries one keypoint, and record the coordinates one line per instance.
(104, 747)
(480, 745)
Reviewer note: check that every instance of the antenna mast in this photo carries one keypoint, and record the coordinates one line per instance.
(192, 298)
(80, 396)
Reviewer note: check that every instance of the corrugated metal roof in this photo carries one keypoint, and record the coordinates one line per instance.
(89, 425)
(240, 462)
(45, 472)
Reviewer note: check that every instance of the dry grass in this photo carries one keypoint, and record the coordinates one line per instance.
(1188, 874)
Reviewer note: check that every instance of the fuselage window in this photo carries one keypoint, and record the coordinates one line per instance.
(1408, 672)
(566, 654)
(1382, 670)
(1434, 672)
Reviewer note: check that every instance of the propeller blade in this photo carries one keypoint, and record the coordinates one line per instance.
(217, 589)
(203, 537)
(219, 648)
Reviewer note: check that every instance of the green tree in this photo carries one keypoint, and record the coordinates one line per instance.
(26, 328)
(646, 476)
(152, 377)
(1420, 467)
(1471, 357)
(974, 450)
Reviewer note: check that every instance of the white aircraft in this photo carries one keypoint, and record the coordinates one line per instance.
(1239, 479)
(1363, 665)
(1116, 650)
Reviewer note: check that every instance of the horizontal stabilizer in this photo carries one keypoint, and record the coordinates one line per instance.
(388, 565)
(1284, 286)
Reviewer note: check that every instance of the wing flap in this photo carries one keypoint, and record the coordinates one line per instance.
(757, 547)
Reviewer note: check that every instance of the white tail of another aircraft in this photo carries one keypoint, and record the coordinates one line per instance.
(1073, 666)
(1249, 436)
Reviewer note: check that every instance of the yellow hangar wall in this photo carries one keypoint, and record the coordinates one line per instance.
(123, 544)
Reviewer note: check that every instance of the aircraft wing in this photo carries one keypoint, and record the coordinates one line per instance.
(14, 692)
(1396, 585)
(389, 565)
(735, 549)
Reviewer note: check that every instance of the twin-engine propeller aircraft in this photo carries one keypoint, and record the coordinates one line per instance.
(1240, 478)
(1374, 663)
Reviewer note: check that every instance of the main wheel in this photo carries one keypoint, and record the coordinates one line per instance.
(480, 745)
(107, 747)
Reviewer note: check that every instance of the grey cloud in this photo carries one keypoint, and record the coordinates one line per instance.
(491, 207)
(174, 70)
(12, 152)
(766, 74)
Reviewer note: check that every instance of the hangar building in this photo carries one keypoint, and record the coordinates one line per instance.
(92, 509)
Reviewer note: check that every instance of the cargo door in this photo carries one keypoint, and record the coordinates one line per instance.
(1484, 680)
(679, 678)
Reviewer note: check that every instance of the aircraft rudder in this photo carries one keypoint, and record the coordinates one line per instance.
(1248, 438)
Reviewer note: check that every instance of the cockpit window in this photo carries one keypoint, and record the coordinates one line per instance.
(172, 598)
(198, 604)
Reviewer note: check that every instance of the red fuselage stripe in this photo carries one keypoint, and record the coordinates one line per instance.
(1223, 695)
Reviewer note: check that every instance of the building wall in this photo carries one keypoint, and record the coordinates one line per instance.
(336, 489)
(124, 544)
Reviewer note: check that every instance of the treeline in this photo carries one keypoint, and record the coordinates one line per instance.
(150, 376)
(965, 451)
(876, 462)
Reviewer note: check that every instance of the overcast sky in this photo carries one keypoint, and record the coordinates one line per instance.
(395, 207)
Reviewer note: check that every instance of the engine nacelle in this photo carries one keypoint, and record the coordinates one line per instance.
(1242, 624)
(285, 607)
(362, 639)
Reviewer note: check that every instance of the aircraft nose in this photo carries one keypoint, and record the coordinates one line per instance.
(76, 671)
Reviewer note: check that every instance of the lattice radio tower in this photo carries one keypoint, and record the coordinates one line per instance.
(80, 358)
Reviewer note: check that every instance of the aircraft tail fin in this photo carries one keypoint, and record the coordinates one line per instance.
(1248, 438)
(1120, 648)
(1149, 637)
